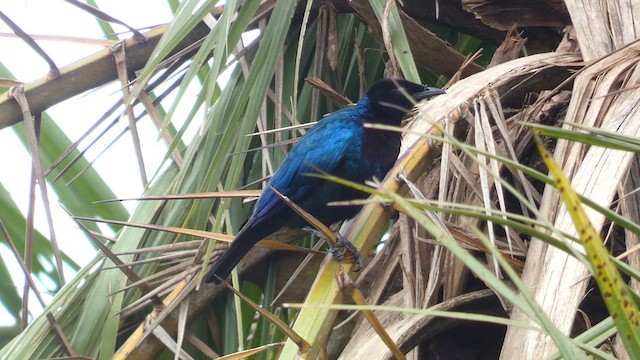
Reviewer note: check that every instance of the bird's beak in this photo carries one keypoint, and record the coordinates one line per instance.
(428, 93)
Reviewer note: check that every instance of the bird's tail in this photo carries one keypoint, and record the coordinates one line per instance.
(241, 245)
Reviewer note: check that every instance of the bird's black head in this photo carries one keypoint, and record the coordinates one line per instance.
(390, 99)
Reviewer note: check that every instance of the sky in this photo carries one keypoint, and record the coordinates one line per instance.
(56, 17)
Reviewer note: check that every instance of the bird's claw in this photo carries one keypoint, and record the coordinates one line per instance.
(344, 246)
(340, 248)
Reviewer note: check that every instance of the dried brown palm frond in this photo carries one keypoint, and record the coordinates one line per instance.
(603, 96)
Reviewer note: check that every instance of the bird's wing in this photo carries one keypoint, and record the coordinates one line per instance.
(320, 150)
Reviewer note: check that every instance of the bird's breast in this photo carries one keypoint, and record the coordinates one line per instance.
(380, 149)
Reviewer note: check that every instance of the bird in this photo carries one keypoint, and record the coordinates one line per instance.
(340, 145)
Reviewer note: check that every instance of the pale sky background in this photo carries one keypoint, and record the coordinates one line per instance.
(75, 116)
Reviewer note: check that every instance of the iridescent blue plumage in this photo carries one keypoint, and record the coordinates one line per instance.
(338, 145)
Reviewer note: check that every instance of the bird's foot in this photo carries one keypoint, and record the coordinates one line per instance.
(341, 250)
(344, 249)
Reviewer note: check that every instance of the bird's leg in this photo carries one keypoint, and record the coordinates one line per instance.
(340, 248)
(314, 232)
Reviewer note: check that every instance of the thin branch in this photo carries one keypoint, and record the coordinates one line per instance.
(53, 68)
(32, 127)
